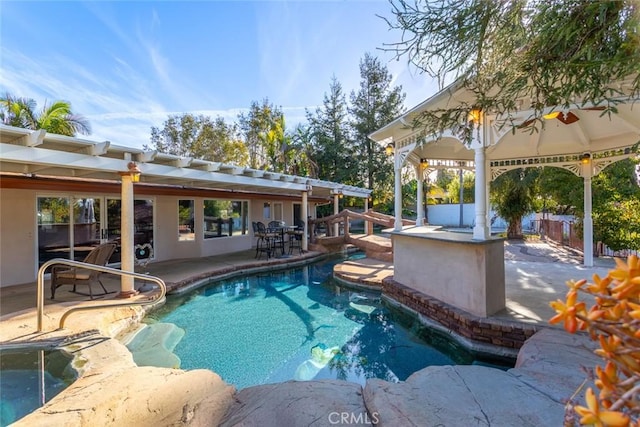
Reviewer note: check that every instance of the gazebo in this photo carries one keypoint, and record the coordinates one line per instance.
(581, 139)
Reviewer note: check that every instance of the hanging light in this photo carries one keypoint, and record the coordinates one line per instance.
(424, 163)
(585, 158)
(475, 115)
(133, 171)
(390, 148)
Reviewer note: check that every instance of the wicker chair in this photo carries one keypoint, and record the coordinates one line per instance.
(77, 276)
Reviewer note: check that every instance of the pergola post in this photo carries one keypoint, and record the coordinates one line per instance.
(419, 198)
(305, 215)
(336, 211)
(587, 173)
(127, 230)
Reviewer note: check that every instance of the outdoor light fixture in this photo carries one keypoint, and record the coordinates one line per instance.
(389, 149)
(424, 163)
(585, 158)
(133, 171)
(474, 115)
(552, 115)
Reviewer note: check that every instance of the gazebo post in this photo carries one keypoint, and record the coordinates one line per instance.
(419, 199)
(480, 230)
(397, 192)
(587, 173)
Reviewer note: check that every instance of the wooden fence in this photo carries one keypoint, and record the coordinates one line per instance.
(566, 234)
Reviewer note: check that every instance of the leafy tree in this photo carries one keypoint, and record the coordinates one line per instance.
(332, 146)
(187, 135)
(261, 134)
(468, 189)
(375, 104)
(615, 192)
(549, 51)
(56, 117)
(303, 162)
(513, 195)
(444, 177)
(617, 224)
(277, 146)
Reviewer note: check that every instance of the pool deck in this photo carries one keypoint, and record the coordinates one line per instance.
(535, 274)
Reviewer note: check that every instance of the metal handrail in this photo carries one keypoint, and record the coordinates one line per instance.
(40, 293)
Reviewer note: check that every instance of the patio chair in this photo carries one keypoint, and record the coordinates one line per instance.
(264, 239)
(295, 237)
(277, 229)
(75, 276)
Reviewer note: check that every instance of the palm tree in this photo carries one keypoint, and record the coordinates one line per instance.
(56, 117)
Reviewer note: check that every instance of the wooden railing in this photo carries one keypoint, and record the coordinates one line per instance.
(343, 221)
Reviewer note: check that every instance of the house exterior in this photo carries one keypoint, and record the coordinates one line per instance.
(60, 196)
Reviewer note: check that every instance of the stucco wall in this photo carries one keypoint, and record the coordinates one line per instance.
(456, 270)
(18, 231)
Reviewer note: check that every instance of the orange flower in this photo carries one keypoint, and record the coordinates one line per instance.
(606, 380)
(592, 414)
(568, 311)
(599, 286)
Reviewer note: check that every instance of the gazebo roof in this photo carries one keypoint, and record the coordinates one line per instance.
(32, 153)
(574, 131)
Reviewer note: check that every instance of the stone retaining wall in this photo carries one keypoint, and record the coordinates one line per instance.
(489, 330)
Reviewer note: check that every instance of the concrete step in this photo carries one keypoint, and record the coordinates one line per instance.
(153, 344)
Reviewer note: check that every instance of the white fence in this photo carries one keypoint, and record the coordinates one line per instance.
(448, 215)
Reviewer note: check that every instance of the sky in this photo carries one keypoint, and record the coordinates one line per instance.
(127, 66)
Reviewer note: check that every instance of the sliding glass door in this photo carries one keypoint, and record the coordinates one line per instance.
(70, 226)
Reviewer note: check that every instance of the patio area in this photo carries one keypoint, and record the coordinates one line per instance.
(536, 272)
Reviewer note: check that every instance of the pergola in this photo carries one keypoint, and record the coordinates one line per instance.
(32, 154)
(580, 139)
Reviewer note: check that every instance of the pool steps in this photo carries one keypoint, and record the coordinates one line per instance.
(152, 344)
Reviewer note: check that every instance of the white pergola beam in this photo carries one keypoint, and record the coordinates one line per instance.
(32, 139)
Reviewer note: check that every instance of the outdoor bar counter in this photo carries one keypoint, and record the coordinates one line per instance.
(452, 267)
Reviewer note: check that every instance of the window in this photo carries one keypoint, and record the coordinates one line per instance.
(186, 220)
(277, 211)
(266, 211)
(225, 218)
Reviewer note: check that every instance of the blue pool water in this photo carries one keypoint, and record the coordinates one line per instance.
(299, 324)
(29, 378)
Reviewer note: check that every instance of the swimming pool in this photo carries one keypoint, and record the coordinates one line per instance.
(298, 324)
(31, 377)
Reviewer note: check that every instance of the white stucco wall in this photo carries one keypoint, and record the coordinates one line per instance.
(18, 233)
(453, 268)
(449, 215)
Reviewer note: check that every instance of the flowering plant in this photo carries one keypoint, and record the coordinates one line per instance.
(613, 322)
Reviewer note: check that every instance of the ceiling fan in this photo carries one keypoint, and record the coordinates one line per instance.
(566, 118)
